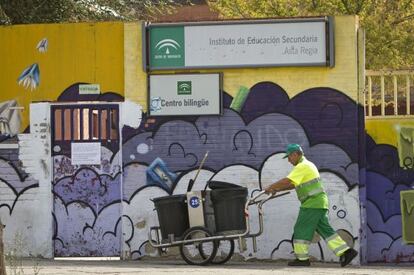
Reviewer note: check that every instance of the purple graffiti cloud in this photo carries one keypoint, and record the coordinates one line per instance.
(384, 194)
(229, 140)
(384, 220)
(271, 98)
(376, 222)
(133, 180)
(78, 231)
(267, 122)
(97, 191)
(327, 115)
(383, 159)
(383, 248)
(332, 120)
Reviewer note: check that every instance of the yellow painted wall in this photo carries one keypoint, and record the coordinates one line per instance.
(135, 77)
(294, 80)
(386, 130)
(397, 132)
(111, 54)
(85, 52)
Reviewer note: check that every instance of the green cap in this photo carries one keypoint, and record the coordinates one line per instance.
(293, 147)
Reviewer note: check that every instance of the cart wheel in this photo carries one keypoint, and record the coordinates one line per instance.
(225, 251)
(200, 252)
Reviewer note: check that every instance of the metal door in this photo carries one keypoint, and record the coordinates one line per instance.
(86, 179)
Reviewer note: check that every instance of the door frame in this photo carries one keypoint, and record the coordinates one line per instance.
(52, 107)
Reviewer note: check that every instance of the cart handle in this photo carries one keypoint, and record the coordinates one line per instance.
(255, 200)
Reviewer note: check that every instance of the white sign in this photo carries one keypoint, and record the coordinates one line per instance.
(266, 44)
(259, 43)
(89, 89)
(185, 94)
(86, 153)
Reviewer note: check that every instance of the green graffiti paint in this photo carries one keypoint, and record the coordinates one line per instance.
(406, 148)
(407, 215)
(238, 101)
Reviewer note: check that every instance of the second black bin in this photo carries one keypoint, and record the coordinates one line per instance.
(172, 215)
(228, 206)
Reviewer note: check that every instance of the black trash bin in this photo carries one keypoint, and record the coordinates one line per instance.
(229, 209)
(172, 215)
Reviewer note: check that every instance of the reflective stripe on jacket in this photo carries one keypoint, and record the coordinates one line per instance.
(309, 189)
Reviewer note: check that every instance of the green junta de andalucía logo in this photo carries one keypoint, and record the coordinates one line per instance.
(167, 47)
(166, 44)
(184, 87)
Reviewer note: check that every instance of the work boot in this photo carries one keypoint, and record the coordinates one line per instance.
(298, 262)
(348, 256)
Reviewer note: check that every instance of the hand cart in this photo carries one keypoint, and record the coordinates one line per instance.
(199, 246)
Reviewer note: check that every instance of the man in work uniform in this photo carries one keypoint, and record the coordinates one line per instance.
(313, 213)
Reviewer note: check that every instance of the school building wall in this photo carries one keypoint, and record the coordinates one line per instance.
(318, 107)
(46, 63)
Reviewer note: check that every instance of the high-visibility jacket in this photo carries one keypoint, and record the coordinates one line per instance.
(305, 176)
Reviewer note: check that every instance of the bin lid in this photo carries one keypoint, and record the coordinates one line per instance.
(214, 184)
(171, 198)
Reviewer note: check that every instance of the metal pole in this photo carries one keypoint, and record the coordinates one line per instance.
(369, 96)
(394, 80)
(408, 101)
(382, 96)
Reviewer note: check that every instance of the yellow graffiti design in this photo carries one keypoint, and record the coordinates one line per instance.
(406, 147)
(407, 207)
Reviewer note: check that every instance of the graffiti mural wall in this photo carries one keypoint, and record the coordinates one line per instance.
(246, 148)
(45, 63)
(389, 171)
(264, 109)
(17, 190)
(86, 197)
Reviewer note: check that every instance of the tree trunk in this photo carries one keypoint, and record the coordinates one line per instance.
(2, 262)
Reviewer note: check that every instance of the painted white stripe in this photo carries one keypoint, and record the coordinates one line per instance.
(9, 146)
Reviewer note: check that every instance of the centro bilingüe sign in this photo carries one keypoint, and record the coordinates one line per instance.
(252, 43)
(185, 94)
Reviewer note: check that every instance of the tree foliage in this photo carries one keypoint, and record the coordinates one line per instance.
(388, 24)
(52, 11)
